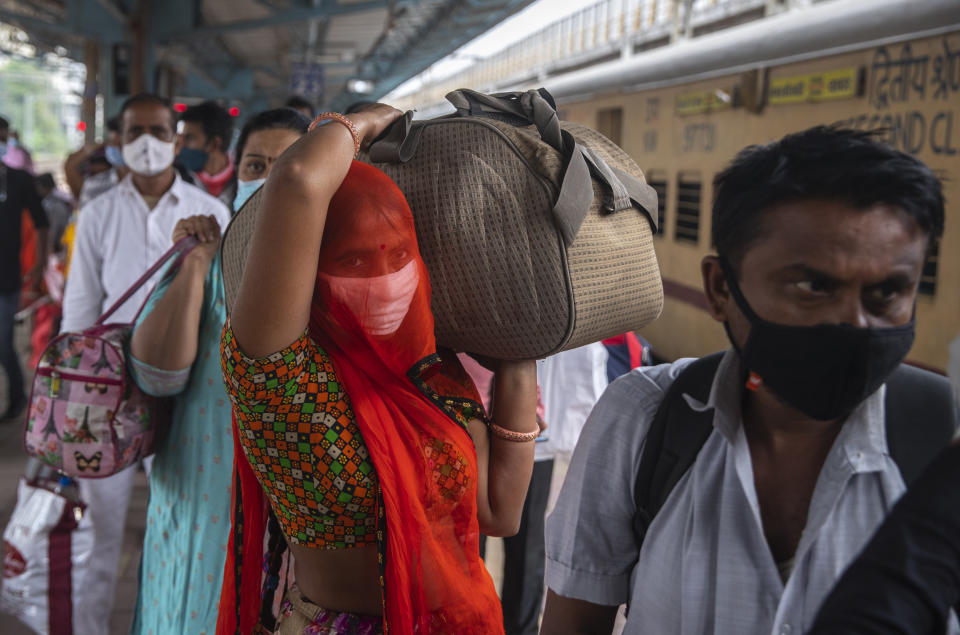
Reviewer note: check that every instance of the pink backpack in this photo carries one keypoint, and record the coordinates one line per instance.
(87, 417)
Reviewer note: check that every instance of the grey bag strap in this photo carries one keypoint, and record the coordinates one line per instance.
(621, 198)
(399, 143)
(530, 107)
(576, 191)
(576, 195)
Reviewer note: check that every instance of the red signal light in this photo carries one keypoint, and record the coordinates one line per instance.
(180, 107)
(81, 126)
(234, 112)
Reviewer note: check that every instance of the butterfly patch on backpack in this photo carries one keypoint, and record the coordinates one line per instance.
(92, 462)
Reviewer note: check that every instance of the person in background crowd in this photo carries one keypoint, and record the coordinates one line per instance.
(16, 155)
(520, 595)
(571, 382)
(175, 351)
(91, 171)
(17, 193)
(95, 168)
(626, 352)
(119, 235)
(821, 239)
(58, 207)
(908, 577)
(301, 105)
(207, 130)
(261, 142)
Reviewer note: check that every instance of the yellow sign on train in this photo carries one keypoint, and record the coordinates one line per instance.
(838, 84)
(703, 101)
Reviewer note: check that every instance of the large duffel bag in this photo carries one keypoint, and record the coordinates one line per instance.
(537, 233)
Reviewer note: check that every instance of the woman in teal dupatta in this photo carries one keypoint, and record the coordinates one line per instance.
(175, 352)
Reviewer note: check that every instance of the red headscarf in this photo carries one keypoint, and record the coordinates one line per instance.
(434, 579)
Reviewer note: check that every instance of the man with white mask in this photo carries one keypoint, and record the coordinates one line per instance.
(119, 235)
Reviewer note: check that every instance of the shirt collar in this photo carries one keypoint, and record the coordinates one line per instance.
(862, 439)
(175, 190)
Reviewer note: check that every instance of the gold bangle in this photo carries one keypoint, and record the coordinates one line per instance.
(515, 437)
(335, 116)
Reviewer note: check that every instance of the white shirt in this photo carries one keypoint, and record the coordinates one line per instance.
(118, 238)
(95, 185)
(705, 566)
(571, 382)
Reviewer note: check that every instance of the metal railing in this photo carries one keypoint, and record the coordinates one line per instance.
(605, 30)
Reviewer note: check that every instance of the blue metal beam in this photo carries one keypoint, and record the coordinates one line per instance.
(231, 83)
(288, 16)
(91, 18)
(85, 18)
(436, 40)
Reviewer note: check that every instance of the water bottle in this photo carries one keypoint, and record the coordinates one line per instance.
(67, 488)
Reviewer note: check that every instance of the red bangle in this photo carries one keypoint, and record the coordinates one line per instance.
(335, 116)
(510, 435)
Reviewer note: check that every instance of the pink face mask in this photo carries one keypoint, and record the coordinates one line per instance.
(379, 303)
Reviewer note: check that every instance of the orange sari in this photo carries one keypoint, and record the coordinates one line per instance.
(404, 398)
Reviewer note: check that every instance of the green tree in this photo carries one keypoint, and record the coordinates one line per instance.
(34, 106)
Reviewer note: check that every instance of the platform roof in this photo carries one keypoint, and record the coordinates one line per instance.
(257, 52)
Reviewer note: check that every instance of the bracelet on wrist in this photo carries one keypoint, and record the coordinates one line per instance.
(510, 435)
(335, 116)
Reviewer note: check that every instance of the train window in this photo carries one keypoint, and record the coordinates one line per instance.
(928, 278)
(689, 187)
(610, 124)
(657, 179)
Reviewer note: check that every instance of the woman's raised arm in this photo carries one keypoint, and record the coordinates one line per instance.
(273, 303)
(167, 337)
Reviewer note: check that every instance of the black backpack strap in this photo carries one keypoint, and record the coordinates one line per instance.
(921, 418)
(675, 437)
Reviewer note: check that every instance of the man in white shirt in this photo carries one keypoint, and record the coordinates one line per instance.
(821, 240)
(119, 235)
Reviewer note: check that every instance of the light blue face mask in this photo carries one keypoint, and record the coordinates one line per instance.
(245, 190)
(114, 156)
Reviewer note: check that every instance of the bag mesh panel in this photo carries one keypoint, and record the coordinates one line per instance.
(485, 232)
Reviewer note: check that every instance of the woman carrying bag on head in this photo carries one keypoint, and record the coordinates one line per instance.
(379, 464)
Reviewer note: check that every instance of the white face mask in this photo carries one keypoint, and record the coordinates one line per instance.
(379, 303)
(148, 156)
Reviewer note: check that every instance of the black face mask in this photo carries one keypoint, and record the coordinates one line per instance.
(823, 371)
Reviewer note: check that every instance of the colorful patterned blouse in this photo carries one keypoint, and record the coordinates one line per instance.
(299, 433)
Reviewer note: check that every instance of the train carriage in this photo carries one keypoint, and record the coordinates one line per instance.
(683, 112)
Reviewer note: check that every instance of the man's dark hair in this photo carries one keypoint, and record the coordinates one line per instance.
(4, 124)
(214, 119)
(298, 102)
(278, 118)
(46, 181)
(824, 162)
(147, 98)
